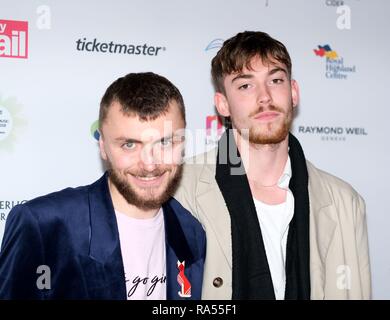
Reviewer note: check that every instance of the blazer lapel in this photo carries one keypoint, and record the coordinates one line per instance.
(177, 249)
(322, 223)
(212, 205)
(105, 269)
(322, 230)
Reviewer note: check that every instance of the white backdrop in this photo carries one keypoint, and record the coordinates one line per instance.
(50, 89)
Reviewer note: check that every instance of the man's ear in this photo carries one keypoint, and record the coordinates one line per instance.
(294, 92)
(101, 146)
(221, 104)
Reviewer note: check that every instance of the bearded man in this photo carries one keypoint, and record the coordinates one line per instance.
(277, 227)
(124, 236)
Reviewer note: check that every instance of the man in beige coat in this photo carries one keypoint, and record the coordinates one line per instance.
(277, 227)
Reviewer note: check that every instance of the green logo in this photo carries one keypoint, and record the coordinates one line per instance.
(95, 130)
(11, 123)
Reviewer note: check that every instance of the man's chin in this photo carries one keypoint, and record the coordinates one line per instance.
(148, 195)
(148, 198)
(268, 137)
(145, 195)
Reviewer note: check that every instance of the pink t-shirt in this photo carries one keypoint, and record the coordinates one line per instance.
(143, 251)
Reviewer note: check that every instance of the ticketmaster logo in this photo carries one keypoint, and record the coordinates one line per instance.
(117, 48)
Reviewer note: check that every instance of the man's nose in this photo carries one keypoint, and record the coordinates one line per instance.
(148, 159)
(263, 96)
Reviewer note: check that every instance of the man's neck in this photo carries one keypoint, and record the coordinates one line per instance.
(121, 205)
(264, 165)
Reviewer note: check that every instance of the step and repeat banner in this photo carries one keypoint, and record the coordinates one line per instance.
(58, 57)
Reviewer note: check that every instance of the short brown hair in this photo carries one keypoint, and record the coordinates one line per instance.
(144, 94)
(238, 51)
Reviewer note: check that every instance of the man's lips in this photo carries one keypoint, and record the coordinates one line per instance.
(267, 115)
(148, 181)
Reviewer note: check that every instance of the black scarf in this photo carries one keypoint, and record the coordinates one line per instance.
(251, 274)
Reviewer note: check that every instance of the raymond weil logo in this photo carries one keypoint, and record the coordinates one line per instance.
(10, 122)
(335, 67)
(13, 39)
(332, 133)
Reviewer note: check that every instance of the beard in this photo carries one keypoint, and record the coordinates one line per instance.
(275, 132)
(150, 200)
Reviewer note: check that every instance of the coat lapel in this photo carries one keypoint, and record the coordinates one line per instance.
(322, 223)
(177, 249)
(104, 269)
(212, 204)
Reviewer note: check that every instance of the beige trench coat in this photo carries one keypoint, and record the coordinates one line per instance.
(339, 258)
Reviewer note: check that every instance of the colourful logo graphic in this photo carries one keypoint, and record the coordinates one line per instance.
(10, 122)
(214, 125)
(326, 51)
(13, 39)
(214, 130)
(335, 66)
(95, 130)
(184, 283)
(215, 44)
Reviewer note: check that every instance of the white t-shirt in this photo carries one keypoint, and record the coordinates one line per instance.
(274, 223)
(144, 258)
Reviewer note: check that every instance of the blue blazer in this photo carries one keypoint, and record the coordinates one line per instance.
(74, 232)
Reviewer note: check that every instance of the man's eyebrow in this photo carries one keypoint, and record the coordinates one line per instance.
(277, 69)
(250, 76)
(131, 140)
(127, 140)
(170, 136)
(242, 76)
(167, 137)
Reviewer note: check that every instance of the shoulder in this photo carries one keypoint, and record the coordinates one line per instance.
(330, 181)
(322, 182)
(197, 168)
(52, 206)
(185, 217)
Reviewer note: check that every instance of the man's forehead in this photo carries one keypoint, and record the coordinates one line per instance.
(254, 63)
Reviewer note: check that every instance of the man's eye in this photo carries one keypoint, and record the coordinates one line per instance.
(244, 86)
(166, 142)
(129, 145)
(277, 81)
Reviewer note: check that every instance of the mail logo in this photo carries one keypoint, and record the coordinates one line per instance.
(13, 39)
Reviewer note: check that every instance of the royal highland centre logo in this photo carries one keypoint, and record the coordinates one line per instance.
(335, 67)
